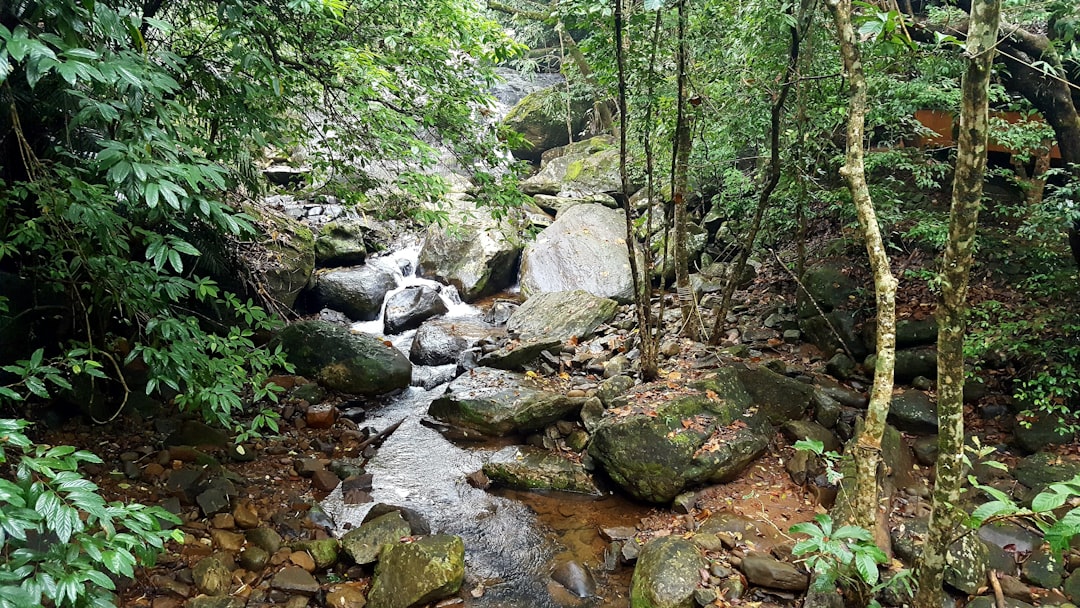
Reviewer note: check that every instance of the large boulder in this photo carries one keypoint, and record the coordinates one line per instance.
(282, 259)
(497, 402)
(441, 342)
(778, 397)
(765, 571)
(667, 573)
(342, 361)
(365, 543)
(584, 249)
(911, 363)
(358, 292)
(834, 331)
(827, 285)
(913, 412)
(418, 572)
(1044, 468)
(580, 169)
(475, 253)
(529, 468)
(410, 307)
(339, 244)
(560, 315)
(967, 562)
(540, 118)
(1046, 429)
(663, 444)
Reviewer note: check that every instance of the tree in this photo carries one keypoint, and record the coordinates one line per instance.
(956, 267)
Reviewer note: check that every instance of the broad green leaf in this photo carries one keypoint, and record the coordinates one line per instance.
(867, 568)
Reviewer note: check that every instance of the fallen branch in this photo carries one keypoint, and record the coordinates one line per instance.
(377, 439)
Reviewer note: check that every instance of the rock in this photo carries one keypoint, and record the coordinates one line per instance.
(417, 524)
(916, 332)
(1012, 587)
(989, 602)
(579, 169)
(265, 538)
(911, 363)
(967, 562)
(1044, 468)
(612, 388)
(197, 434)
(840, 366)
(214, 499)
(340, 244)
(584, 249)
(410, 307)
(560, 316)
(211, 576)
(253, 558)
(409, 574)
(913, 412)
(926, 450)
(321, 416)
(796, 430)
(778, 397)
(654, 456)
(440, 342)
(206, 601)
(1043, 569)
(294, 579)
(557, 204)
(227, 541)
(540, 118)
(343, 361)
(303, 559)
(324, 481)
(496, 402)
(529, 468)
(764, 571)
(666, 574)
(1033, 435)
(365, 543)
(478, 257)
(358, 292)
(833, 332)
(290, 259)
(519, 353)
(577, 579)
(346, 595)
(245, 514)
(1072, 587)
(827, 285)
(826, 409)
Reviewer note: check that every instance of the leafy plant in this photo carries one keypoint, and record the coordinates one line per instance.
(845, 555)
(1058, 530)
(62, 543)
(828, 458)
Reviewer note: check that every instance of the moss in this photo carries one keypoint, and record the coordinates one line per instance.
(574, 169)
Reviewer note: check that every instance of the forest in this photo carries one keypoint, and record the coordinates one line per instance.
(645, 254)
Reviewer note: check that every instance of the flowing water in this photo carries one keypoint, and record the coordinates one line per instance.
(513, 539)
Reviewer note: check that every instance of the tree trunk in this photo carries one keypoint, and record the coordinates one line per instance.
(956, 267)
(867, 448)
(680, 179)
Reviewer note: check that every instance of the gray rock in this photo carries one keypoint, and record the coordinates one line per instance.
(796, 430)
(913, 412)
(826, 284)
(496, 402)
(441, 342)
(778, 397)
(765, 571)
(577, 578)
(519, 353)
(410, 307)
(613, 388)
(540, 118)
(911, 363)
(266, 539)
(581, 168)
(340, 244)
(1072, 587)
(288, 267)
(826, 409)
(294, 579)
(358, 292)
(833, 332)
(584, 249)
(1045, 430)
(989, 602)
(561, 316)
(1044, 468)
(666, 574)
(529, 468)
(343, 361)
(968, 557)
(425, 570)
(365, 543)
(253, 559)
(207, 601)
(1043, 569)
(926, 450)
(840, 366)
(211, 576)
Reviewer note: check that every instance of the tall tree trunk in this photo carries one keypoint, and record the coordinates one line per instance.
(867, 449)
(680, 180)
(956, 267)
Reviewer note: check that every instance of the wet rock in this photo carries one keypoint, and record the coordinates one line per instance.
(358, 292)
(294, 579)
(227, 541)
(340, 244)
(585, 249)
(796, 430)
(206, 601)
(577, 578)
(561, 316)
(410, 307)
(517, 354)
(654, 457)
(428, 569)
(1042, 569)
(365, 543)
(911, 363)
(968, 558)
(417, 524)
(1043, 431)
(323, 552)
(778, 397)
(321, 416)
(478, 257)
(529, 468)
(310, 392)
(542, 127)
(266, 539)
(913, 412)
(441, 342)
(343, 361)
(196, 434)
(765, 571)
(324, 481)
(211, 576)
(1044, 468)
(253, 558)
(496, 402)
(346, 595)
(666, 574)
(826, 409)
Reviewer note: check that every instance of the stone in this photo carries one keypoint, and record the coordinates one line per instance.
(197, 434)
(425, 570)
(340, 243)
(441, 342)
(227, 541)
(967, 562)
(285, 268)
(828, 285)
(410, 307)
(778, 397)
(245, 514)
(580, 169)
(294, 579)
(666, 574)
(612, 388)
(913, 412)
(253, 558)
(343, 361)
(796, 430)
(989, 602)
(346, 595)
(358, 292)
(529, 468)
(765, 571)
(496, 402)
(365, 543)
(211, 576)
(303, 560)
(840, 366)
(519, 353)
(1043, 569)
(834, 332)
(1045, 430)
(826, 409)
(266, 539)
(206, 601)
(575, 577)
(540, 118)
(324, 481)
(584, 249)
(1044, 468)
(321, 416)
(926, 450)
(561, 316)
(911, 363)
(214, 499)
(1071, 587)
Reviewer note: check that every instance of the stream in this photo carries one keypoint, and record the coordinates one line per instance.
(513, 539)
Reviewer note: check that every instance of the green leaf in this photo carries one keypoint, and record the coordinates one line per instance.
(867, 568)
(36, 386)
(853, 533)
(991, 509)
(808, 529)
(1048, 500)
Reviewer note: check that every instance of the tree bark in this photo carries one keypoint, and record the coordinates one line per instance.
(680, 180)
(867, 448)
(956, 268)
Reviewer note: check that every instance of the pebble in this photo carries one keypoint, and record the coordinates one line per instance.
(223, 521)
(302, 559)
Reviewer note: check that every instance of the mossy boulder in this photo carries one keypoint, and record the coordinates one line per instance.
(358, 292)
(529, 468)
(561, 315)
(418, 572)
(1044, 468)
(540, 118)
(582, 168)
(343, 361)
(340, 244)
(365, 543)
(778, 397)
(497, 402)
(667, 573)
(827, 285)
